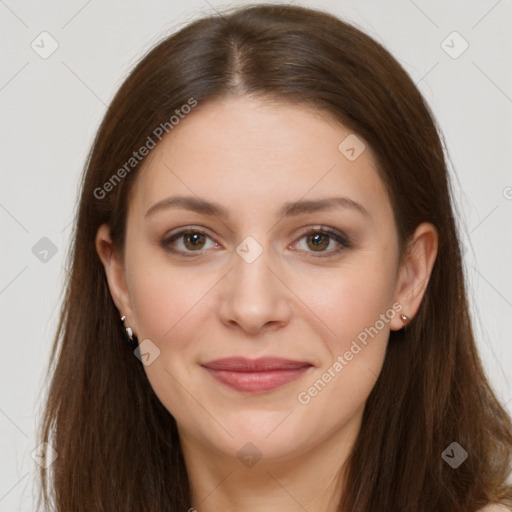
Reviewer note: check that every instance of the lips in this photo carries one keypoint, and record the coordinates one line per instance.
(256, 375)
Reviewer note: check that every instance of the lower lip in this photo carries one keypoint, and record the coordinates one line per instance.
(257, 382)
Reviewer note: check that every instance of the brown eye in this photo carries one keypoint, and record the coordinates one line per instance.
(323, 242)
(318, 241)
(194, 240)
(187, 242)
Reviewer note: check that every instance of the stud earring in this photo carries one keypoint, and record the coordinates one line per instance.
(405, 320)
(130, 338)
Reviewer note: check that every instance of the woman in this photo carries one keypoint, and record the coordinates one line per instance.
(266, 307)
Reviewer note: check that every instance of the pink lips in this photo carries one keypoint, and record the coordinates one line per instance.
(255, 375)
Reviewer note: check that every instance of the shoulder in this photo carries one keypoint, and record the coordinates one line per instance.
(495, 508)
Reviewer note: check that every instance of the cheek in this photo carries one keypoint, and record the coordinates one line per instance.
(349, 300)
(170, 305)
(356, 306)
(164, 297)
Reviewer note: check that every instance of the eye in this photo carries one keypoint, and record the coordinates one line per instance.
(319, 240)
(188, 241)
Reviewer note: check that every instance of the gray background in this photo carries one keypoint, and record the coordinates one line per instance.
(51, 108)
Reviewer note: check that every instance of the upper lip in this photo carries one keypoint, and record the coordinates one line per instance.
(242, 364)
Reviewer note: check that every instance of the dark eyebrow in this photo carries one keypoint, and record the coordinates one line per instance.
(288, 210)
(317, 205)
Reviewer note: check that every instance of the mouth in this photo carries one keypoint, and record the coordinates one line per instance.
(256, 375)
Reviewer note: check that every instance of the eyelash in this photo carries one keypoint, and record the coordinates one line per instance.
(341, 238)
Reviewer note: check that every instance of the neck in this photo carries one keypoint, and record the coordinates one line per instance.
(311, 480)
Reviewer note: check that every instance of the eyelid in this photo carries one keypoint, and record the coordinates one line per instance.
(319, 228)
(187, 229)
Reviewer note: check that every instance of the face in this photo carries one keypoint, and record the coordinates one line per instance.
(283, 245)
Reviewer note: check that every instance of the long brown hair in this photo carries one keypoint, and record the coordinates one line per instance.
(117, 446)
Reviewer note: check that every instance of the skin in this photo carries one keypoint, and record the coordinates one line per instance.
(252, 157)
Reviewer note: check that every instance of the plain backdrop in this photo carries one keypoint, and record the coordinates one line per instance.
(52, 106)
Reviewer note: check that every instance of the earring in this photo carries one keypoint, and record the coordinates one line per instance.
(405, 320)
(130, 338)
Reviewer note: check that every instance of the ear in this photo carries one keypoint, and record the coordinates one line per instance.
(414, 272)
(114, 270)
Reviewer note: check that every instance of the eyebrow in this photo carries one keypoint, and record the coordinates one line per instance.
(289, 209)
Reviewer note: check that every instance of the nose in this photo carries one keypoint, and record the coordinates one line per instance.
(254, 296)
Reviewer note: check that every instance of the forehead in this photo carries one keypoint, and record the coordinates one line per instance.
(251, 154)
